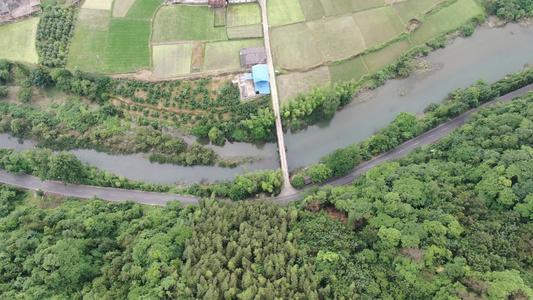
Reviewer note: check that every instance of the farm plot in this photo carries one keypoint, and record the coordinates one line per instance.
(410, 9)
(127, 46)
(87, 51)
(378, 25)
(18, 40)
(172, 59)
(225, 55)
(98, 4)
(350, 70)
(334, 7)
(446, 19)
(312, 9)
(244, 14)
(377, 60)
(282, 12)
(291, 84)
(293, 46)
(143, 9)
(93, 19)
(244, 32)
(186, 23)
(121, 8)
(337, 37)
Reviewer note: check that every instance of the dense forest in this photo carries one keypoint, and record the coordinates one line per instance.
(55, 30)
(451, 220)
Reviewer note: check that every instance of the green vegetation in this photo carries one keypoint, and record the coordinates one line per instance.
(509, 9)
(378, 25)
(245, 32)
(293, 83)
(377, 60)
(186, 23)
(172, 59)
(127, 46)
(18, 40)
(347, 71)
(334, 7)
(143, 9)
(282, 12)
(244, 14)
(87, 51)
(93, 19)
(302, 52)
(225, 55)
(412, 9)
(121, 8)
(312, 9)
(53, 36)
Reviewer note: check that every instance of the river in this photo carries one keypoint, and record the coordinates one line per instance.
(489, 54)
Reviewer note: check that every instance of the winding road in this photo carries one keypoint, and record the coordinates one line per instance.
(153, 198)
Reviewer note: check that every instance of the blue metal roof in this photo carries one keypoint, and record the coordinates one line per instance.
(261, 79)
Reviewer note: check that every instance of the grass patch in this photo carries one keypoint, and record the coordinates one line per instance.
(244, 14)
(446, 19)
(143, 9)
(98, 4)
(128, 46)
(220, 16)
(249, 31)
(293, 46)
(353, 69)
(337, 37)
(172, 59)
(334, 7)
(282, 12)
(121, 8)
(93, 19)
(378, 25)
(377, 60)
(289, 85)
(186, 23)
(312, 9)
(225, 55)
(84, 48)
(17, 40)
(411, 9)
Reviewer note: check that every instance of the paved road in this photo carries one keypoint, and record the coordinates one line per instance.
(287, 188)
(152, 198)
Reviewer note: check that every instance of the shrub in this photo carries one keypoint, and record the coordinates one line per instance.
(467, 30)
(24, 95)
(298, 182)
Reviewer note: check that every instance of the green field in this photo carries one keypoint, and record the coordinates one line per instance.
(220, 16)
(144, 9)
(17, 40)
(93, 19)
(186, 23)
(312, 9)
(281, 12)
(97, 4)
(293, 46)
(410, 9)
(121, 8)
(242, 15)
(446, 19)
(337, 37)
(289, 85)
(87, 51)
(377, 60)
(241, 32)
(172, 59)
(225, 55)
(127, 46)
(378, 25)
(353, 69)
(334, 7)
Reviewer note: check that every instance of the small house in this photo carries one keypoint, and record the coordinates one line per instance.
(217, 3)
(261, 79)
(253, 56)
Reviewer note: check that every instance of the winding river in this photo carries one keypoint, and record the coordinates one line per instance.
(489, 54)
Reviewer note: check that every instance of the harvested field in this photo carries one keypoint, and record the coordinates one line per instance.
(379, 25)
(225, 55)
(334, 7)
(350, 70)
(98, 4)
(377, 60)
(128, 46)
(186, 23)
(18, 40)
(446, 19)
(301, 53)
(410, 9)
(172, 59)
(121, 8)
(243, 32)
(220, 16)
(312, 9)
(289, 85)
(282, 12)
(86, 48)
(144, 9)
(93, 19)
(337, 37)
(244, 14)
(197, 57)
